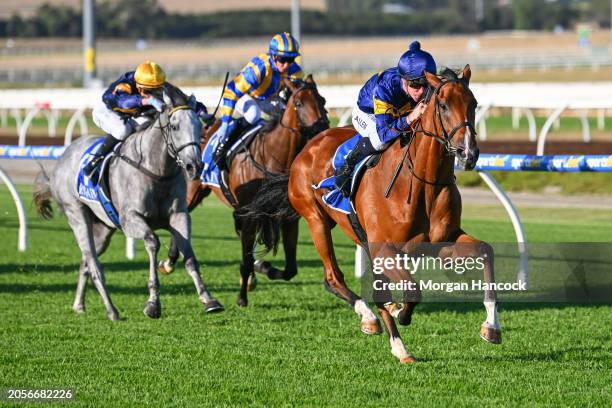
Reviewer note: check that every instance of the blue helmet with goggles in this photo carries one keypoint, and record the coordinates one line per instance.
(414, 62)
(284, 45)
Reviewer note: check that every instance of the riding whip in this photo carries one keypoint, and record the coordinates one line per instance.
(222, 91)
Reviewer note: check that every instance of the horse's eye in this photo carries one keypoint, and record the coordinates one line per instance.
(298, 104)
(443, 106)
(174, 127)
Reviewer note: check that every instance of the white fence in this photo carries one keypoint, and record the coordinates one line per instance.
(587, 98)
(522, 98)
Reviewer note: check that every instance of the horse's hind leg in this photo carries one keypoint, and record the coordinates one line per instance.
(80, 220)
(334, 279)
(247, 239)
(180, 227)
(289, 231)
(101, 235)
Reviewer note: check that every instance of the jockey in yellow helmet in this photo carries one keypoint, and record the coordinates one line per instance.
(250, 92)
(130, 101)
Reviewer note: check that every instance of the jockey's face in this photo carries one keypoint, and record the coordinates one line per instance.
(283, 63)
(416, 92)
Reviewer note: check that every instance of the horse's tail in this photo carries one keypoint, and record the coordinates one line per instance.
(42, 194)
(270, 207)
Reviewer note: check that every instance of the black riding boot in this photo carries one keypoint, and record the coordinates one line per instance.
(220, 152)
(107, 146)
(362, 149)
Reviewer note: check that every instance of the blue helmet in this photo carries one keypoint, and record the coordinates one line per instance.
(285, 45)
(414, 62)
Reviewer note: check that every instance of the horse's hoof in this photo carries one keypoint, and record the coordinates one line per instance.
(408, 359)
(242, 302)
(165, 267)
(79, 309)
(152, 309)
(213, 306)
(113, 315)
(490, 334)
(371, 327)
(288, 275)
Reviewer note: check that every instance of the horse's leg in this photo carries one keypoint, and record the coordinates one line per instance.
(397, 345)
(468, 246)
(80, 220)
(101, 235)
(79, 300)
(289, 231)
(334, 279)
(195, 194)
(180, 227)
(247, 239)
(136, 227)
(166, 266)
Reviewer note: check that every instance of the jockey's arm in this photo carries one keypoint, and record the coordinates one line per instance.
(246, 80)
(121, 98)
(389, 123)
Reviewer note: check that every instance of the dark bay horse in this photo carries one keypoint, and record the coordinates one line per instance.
(424, 205)
(270, 153)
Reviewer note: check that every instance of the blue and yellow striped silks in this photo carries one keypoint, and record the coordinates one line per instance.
(259, 79)
(284, 44)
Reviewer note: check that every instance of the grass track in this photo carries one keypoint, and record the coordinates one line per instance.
(295, 344)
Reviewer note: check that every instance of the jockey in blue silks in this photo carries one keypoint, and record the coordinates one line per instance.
(129, 102)
(388, 103)
(250, 92)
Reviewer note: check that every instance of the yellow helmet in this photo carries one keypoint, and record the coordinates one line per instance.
(149, 75)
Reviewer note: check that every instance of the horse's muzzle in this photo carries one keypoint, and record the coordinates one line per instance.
(467, 159)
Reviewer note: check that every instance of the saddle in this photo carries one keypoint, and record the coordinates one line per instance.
(95, 189)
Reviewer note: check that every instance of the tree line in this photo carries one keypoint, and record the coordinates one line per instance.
(147, 19)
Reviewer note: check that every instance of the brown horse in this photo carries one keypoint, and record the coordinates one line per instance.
(270, 153)
(424, 205)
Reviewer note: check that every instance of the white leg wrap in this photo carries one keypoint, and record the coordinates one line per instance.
(362, 309)
(492, 320)
(397, 348)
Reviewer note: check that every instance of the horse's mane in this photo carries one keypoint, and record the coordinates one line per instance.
(175, 94)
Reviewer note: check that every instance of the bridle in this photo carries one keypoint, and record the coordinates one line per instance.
(445, 140)
(165, 131)
(321, 124)
(173, 151)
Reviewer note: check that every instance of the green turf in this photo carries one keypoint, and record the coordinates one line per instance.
(295, 344)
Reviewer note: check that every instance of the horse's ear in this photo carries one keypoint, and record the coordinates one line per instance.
(309, 79)
(433, 80)
(166, 98)
(289, 84)
(467, 73)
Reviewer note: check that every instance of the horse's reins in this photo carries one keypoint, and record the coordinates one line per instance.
(307, 132)
(417, 127)
(172, 150)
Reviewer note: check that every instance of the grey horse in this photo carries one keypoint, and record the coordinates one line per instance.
(147, 188)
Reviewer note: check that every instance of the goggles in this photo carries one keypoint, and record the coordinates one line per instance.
(284, 60)
(417, 83)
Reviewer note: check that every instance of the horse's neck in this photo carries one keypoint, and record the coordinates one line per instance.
(278, 148)
(148, 148)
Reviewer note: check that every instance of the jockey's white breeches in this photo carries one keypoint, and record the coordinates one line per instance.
(113, 124)
(365, 124)
(251, 108)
